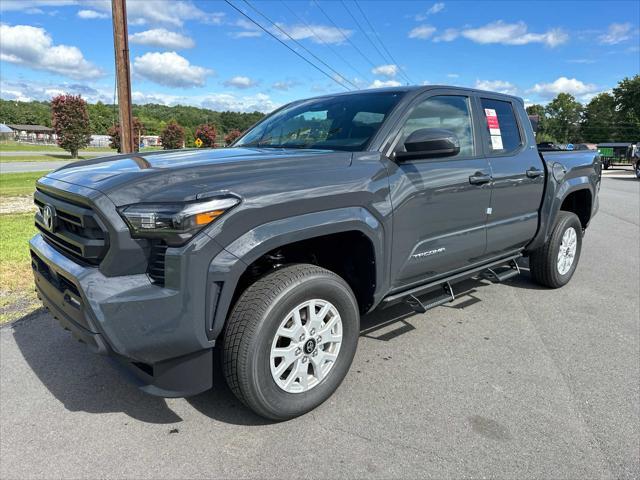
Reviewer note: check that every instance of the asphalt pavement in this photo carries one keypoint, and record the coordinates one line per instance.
(44, 166)
(510, 381)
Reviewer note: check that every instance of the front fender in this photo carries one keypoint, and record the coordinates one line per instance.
(227, 267)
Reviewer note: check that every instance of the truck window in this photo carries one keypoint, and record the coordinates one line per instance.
(450, 112)
(503, 134)
(343, 122)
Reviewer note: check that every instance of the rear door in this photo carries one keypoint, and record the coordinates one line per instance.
(440, 204)
(517, 171)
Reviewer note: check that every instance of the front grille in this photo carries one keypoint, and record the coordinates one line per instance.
(155, 270)
(77, 231)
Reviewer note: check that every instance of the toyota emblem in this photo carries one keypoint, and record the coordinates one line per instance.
(49, 217)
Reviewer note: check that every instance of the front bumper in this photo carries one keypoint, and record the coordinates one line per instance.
(157, 334)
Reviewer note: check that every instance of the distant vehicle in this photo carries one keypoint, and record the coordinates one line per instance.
(548, 147)
(615, 153)
(636, 159)
(272, 250)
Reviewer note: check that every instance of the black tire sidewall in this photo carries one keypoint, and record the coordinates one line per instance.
(277, 403)
(567, 220)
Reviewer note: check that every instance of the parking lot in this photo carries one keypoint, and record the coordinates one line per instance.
(509, 381)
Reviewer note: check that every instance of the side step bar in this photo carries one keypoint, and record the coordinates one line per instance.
(446, 297)
(498, 270)
(500, 274)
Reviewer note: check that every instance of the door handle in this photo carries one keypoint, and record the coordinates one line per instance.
(534, 172)
(479, 178)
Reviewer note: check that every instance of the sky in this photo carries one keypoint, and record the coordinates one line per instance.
(206, 53)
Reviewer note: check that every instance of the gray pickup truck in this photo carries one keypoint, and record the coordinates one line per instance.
(323, 211)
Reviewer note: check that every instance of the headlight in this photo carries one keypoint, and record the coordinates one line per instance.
(176, 223)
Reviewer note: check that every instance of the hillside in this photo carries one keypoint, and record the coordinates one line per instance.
(153, 116)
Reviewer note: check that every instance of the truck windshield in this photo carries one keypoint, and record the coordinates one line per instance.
(345, 122)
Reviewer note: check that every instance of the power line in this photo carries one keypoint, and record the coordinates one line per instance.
(363, 31)
(228, 2)
(393, 60)
(301, 46)
(336, 53)
(347, 39)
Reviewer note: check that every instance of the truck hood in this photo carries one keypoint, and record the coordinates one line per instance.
(184, 175)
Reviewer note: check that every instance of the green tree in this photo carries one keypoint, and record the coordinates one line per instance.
(563, 118)
(541, 133)
(70, 121)
(599, 119)
(172, 136)
(627, 98)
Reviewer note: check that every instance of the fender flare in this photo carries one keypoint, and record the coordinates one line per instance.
(228, 266)
(554, 198)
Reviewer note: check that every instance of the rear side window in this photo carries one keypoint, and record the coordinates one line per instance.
(501, 126)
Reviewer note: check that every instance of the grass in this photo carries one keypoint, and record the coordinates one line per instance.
(18, 184)
(49, 157)
(26, 147)
(17, 296)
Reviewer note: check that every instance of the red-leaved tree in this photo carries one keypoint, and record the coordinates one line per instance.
(172, 136)
(231, 137)
(70, 121)
(138, 130)
(207, 133)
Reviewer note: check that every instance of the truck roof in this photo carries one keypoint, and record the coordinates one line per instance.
(414, 88)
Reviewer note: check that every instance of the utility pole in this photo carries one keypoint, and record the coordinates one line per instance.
(123, 74)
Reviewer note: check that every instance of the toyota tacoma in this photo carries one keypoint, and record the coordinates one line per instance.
(272, 249)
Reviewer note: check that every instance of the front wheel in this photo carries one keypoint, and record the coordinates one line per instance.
(637, 168)
(290, 340)
(554, 263)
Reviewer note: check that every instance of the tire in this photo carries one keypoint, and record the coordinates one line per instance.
(254, 330)
(545, 263)
(605, 164)
(637, 169)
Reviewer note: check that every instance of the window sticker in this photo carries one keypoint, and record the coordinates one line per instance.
(492, 121)
(496, 142)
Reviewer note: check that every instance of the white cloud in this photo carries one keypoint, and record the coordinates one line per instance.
(240, 82)
(284, 85)
(33, 47)
(316, 33)
(582, 60)
(453, 75)
(384, 83)
(260, 102)
(435, 8)
(170, 69)
(33, 90)
(422, 32)
(29, 91)
(91, 14)
(449, 35)
(160, 37)
(616, 33)
(249, 30)
(564, 85)
(500, 86)
(513, 34)
(30, 6)
(386, 70)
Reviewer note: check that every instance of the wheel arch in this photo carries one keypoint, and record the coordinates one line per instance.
(229, 269)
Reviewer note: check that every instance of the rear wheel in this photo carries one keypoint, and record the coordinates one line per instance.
(290, 340)
(637, 169)
(554, 263)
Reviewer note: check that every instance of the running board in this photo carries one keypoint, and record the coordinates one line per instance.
(417, 306)
(500, 274)
(411, 296)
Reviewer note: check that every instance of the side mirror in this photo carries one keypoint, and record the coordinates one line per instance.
(429, 143)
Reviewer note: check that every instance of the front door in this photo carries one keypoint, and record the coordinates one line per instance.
(440, 204)
(518, 176)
